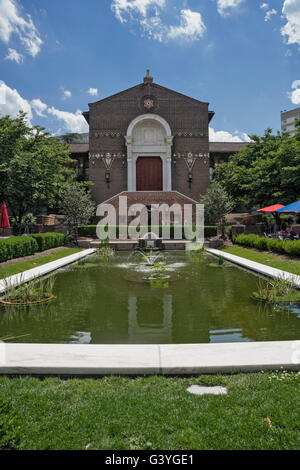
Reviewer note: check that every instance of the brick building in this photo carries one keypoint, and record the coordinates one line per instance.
(149, 141)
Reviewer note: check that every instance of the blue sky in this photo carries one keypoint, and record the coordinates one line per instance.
(242, 56)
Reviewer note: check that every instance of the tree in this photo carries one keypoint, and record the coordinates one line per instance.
(77, 207)
(267, 171)
(71, 138)
(217, 204)
(34, 167)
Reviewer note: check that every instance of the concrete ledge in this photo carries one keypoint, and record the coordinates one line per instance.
(180, 359)
(176, 359)
(257, 267)
(78, 359)
(31, 274)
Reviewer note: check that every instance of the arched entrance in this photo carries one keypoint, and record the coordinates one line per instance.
(149, 146)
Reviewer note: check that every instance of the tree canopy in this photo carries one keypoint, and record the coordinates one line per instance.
(217, 204)
(267, 171)
(34, 166)
(77, 206)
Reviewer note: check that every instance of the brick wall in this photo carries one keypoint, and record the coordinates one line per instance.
(109, 120)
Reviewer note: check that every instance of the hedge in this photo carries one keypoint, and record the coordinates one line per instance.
(288, 247)
(17, 247)
(90, 230)
(49, 240)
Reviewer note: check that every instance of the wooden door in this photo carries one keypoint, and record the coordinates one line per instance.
(149, 175)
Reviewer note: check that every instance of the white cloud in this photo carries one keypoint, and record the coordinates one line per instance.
(39, 107)
(191, 26)
(264, 6)
(148, 15)
(295, 94)
(225, 7)
(73, 122)
(154, 28)
(270, 13)
(224, 136)
(291, 11)
(14, 56)
(11, 22)
(67, 94)
(121, 8)
(11, 102)
(93, 91)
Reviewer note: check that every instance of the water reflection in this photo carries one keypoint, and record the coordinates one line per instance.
(157, 326)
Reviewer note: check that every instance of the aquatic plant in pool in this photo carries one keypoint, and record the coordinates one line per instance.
(277, 290)
(105, 252)
(112, 302)
(34, 292)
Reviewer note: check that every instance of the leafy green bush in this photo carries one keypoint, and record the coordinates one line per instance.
(17, 247)
(46, 241)
(90, 230)
(288, 247)
(275, 245)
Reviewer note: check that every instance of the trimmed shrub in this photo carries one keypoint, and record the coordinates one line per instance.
(90, 230)
(275, 245)
(46, 241)
(289, 247)
(17, 247)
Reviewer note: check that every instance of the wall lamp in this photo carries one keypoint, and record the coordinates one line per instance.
(190, 179)
(107, 177)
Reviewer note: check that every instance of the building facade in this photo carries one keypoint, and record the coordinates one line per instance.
(288, 120)
(149, 142)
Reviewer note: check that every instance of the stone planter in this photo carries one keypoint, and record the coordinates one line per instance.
(4, 302)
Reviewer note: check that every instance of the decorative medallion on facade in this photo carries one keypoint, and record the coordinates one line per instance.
(191, 134)
(190, 161)
(148, 103)
(189, 155)
(107, 158)
(108, 134)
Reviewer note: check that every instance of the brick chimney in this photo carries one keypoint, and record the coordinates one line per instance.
(148, 78)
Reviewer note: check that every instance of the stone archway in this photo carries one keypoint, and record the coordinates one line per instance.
(149, 135)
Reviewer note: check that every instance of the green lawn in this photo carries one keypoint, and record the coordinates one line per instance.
(16, 268)
(264, 258)
(261, 411)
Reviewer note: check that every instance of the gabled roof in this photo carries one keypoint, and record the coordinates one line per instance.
(140, 85)
(79, 148)
(227, 147)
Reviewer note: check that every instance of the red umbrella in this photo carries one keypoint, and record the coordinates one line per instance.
(271, 208)
(4, 220)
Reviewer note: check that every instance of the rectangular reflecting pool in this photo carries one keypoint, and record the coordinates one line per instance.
(121, 300)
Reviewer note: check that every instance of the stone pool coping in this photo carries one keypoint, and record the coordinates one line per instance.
(170, 359)
(257, 267)
(30, 274)
(163, 359)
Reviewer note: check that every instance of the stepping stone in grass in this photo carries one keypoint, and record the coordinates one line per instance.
(202, 390)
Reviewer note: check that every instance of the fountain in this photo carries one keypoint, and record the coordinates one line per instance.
(150, 240)
(151, 270)
(150, 257)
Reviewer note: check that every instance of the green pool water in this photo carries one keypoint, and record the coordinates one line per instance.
(110, 302)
